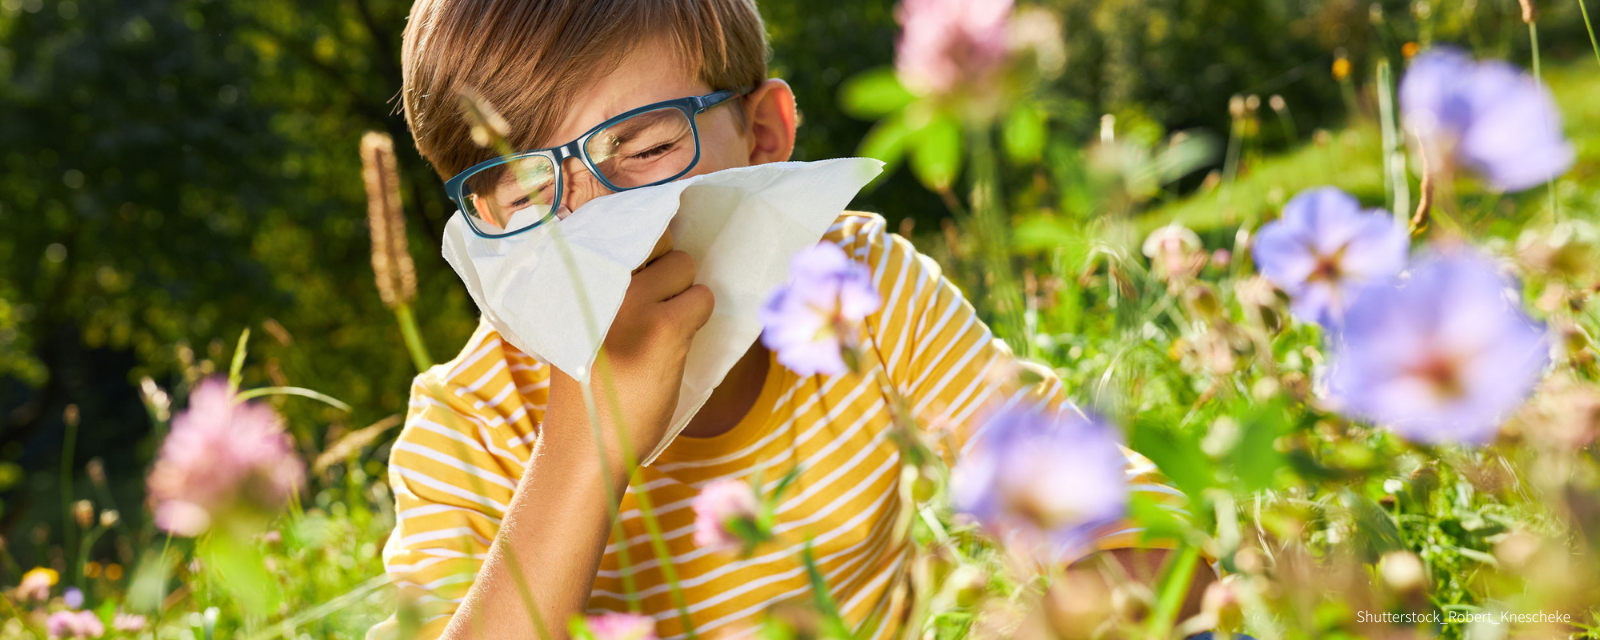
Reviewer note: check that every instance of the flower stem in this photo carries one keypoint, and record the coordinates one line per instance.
(1173, 589)
(1590, 26)
(68, 531)
(1394, 171)
(1533, 42)
(413, 337)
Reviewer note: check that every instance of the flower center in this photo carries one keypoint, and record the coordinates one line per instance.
(1330, 267)
(1443, 373)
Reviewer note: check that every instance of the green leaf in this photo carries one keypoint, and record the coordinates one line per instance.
(1158, 522)
(1255, 460)
(240, 567)
(936, 153)
(874, 93)
(1039, 233)
(1180, 458)
(291, 391)
(1025, 133)
(148, 588)
(886, 141)
(1378, 533)
(238, 361)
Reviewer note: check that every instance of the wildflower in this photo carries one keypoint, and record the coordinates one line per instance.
(812, 323)
(725, 512)
(1221, 605)
(221, 454)
(128, 622)
(36, 584)
(947, 44)
(1486, 116)
(1403, 573)
(621, 626)
(75, 624)
(1049, 481)
(1324, 249)
(1441, 357)
(83, 512)
(72, 597)
(1174, 251)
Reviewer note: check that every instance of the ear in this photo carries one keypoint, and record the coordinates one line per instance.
(770, 113)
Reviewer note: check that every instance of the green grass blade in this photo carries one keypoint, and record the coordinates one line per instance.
(292, 391)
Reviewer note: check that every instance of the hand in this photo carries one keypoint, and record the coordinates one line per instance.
(645, 347)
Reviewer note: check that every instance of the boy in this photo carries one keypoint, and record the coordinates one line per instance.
(501, 498)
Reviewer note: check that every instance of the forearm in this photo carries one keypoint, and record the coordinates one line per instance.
(552, 538)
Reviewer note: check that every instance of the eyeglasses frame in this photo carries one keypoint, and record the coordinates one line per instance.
(690, 107)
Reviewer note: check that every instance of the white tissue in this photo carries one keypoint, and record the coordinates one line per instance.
(740, 225)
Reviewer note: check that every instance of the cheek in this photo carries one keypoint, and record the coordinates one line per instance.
(721, 147)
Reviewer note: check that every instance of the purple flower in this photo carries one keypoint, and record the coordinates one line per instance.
(946, 44)
(221, 454)
(72, 597)
(1441, 357)
(75, 624)
(1043, 480)
(720, 504)
(1486, 116)
(1324, 249)
(621, 626)
(812, 320)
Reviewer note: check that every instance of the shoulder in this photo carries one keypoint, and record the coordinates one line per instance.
(491, 394)
(855, 231)
(890, 256)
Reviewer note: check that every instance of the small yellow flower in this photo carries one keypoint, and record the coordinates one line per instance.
(36, 584)
(1341, 68)
(91, 569)
(113, 572)
(1409, 50)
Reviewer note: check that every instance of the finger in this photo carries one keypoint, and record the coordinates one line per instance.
(693, 306)
(667, 276)
(663, 245)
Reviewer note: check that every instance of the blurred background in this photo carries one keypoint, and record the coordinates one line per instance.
(173, 172)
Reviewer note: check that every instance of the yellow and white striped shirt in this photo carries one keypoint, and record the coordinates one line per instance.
(473, 422)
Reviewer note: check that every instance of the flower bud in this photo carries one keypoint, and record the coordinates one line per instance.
(1221, 604)
(83, 512)
(1516, 550)
(109, 518)
(1404, 574)
(96, 469)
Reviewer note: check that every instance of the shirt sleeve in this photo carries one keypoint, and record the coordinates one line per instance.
(953, 372)
(468, 435)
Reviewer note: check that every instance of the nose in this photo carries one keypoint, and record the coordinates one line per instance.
(578, 184)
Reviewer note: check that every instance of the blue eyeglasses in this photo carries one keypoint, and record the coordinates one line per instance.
(643, 147)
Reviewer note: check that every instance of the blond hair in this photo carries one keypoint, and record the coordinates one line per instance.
(528, 59)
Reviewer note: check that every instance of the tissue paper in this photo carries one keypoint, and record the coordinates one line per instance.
(740, 226)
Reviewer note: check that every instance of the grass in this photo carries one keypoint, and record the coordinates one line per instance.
(1350, 160)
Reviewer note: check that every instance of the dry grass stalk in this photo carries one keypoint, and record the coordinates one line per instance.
(391, 261)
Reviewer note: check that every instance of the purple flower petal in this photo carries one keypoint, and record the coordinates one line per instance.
(1324, 249)
(1485, 116)
(1442, 357)
(1048, 481)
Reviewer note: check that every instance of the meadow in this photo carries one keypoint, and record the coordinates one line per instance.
(1342, 296)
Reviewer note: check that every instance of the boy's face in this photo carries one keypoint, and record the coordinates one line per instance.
(653, 73)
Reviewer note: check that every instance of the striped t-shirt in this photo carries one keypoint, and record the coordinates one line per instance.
(473, 423)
